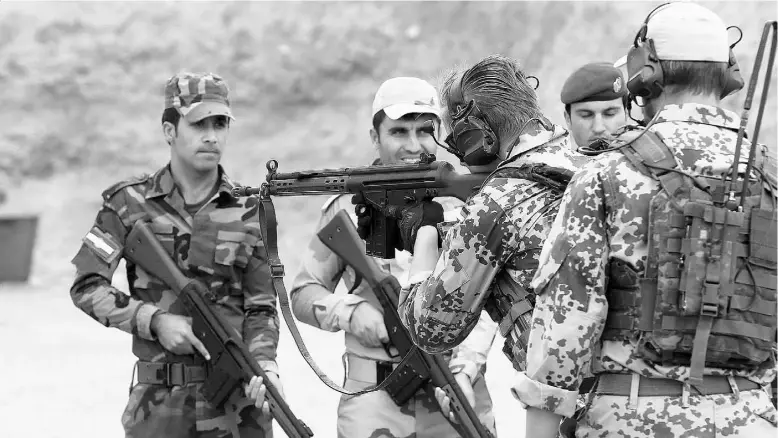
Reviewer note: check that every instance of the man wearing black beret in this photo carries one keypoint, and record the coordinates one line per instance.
(595, 98)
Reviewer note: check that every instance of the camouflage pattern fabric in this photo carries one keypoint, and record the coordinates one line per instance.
(182, 412)
(721, 415)
(497, 240)
(186, 91)
(218, 245)
(603, 219)
(315, 302)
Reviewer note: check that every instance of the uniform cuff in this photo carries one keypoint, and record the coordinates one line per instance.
(531, 393)
(143, 320)
(350, 303)
(468, 367)
(269, 366)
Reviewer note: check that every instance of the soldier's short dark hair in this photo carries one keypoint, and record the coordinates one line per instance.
(171, 115)
(696, 77)
(380, 116)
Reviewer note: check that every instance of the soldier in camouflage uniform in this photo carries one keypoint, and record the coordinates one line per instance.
(405, 115)
(490, 255)
(598, 250)
(212, 236)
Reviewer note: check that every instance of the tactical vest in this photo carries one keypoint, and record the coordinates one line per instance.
(510, 305)
(708, 293)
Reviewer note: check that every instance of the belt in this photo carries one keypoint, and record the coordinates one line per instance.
(169, 373)
(587, 384)
(620, 384)
(368, 370)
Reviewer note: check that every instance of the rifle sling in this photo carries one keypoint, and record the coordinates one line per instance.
(268, 227)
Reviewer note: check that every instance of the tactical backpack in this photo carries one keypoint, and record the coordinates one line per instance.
(708, 294)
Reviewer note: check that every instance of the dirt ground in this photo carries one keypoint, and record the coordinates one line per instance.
(64, 375)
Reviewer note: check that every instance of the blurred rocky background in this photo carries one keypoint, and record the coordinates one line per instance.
(82, 87)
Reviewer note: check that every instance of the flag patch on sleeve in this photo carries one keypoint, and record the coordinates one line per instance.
(102, 244)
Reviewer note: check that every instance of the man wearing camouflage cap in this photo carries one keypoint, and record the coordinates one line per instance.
(212, 236)
(406, 114)
(595, 99)
(639, 283)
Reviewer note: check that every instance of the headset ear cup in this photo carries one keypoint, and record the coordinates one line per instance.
(646, 78)
(475, 140)
(733, 80)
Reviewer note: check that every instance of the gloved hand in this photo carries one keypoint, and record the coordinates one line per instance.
(409, 218)
(362, 211)
(413, 217)
(367, 324)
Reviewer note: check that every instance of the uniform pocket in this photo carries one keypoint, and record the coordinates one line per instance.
(233, 248)
(153, 409)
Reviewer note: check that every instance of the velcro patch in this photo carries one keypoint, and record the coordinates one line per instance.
(102, 244)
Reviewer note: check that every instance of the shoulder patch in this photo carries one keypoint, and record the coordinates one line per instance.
(114, 189)
(102, 244)
(330, 201)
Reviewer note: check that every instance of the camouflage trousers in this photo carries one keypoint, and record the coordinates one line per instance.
(375, 415)
(182, 412)
(750, 415)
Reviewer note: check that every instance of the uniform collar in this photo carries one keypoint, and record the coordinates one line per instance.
(162, 183)
(698, 113)
(537, 134)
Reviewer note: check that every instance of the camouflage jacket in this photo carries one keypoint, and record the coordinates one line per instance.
(218, 245)
(603, 218)
(332, 311)
(500, 232)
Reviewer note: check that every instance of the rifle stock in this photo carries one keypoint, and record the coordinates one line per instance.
(231, 362)
(340, 235)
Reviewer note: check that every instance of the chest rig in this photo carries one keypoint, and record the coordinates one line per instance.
(707, 297)
(510, 304)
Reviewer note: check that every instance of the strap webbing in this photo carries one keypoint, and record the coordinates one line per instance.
(268, 226)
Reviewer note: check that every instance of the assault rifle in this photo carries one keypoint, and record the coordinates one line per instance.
(421, 369)
(380, 185)
(231, 364)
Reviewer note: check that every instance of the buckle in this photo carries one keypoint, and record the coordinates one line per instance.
(175, 374)
(276, 271)
(710, 304)
(709, 309)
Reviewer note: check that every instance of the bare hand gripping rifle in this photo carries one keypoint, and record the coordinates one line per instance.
(231, 362)
(380, 185)
(422, 369)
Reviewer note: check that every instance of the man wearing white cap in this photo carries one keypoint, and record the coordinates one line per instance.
(651, 280)
(406, 114)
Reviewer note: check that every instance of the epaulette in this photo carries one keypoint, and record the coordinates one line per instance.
(114, 189)
(331, 201)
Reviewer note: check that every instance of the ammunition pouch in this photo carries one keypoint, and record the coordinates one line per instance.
(511, 306)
